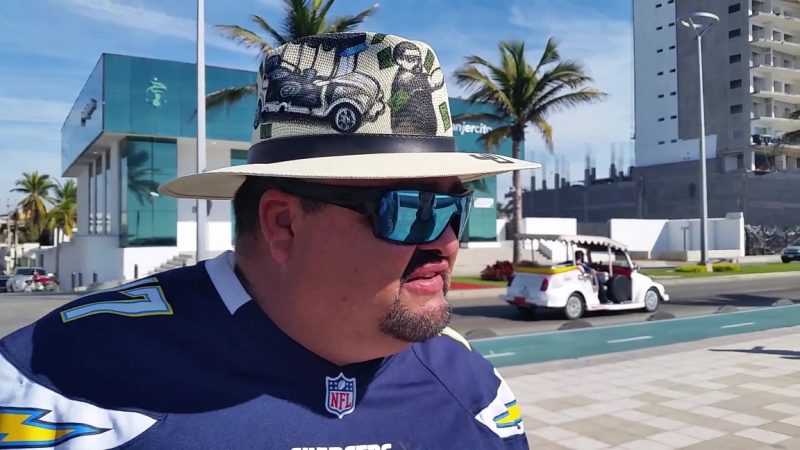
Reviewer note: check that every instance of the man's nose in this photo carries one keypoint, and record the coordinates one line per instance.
(446, 244)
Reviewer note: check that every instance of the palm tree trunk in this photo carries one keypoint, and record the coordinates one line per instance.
(517, 203)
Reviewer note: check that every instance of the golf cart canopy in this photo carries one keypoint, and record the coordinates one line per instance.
(576, 239)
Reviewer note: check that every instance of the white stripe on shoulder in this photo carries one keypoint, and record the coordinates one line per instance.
(229, 288)
(32, 415)
(449, 332)
(502, 415)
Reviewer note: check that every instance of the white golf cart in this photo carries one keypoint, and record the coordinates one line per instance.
(608, 281)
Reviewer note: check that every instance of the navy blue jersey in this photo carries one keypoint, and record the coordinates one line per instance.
(185, 359)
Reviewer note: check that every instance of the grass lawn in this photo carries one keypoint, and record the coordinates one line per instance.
(478, 281)
(745, 268)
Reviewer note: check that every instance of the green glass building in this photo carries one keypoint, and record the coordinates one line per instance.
(133, 127)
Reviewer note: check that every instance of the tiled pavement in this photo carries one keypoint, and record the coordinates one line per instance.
(739, 392)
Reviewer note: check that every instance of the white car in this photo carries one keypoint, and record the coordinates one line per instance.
(616, 285)
(21, 274)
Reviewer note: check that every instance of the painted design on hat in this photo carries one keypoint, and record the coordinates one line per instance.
(412, 90)
(320, 80)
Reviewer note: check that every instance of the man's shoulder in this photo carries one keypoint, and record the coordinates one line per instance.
(472, 381)
(114, 334)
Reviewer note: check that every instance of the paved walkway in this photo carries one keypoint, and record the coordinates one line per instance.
(738, 392)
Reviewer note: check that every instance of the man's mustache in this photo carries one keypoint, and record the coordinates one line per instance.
(419, 259)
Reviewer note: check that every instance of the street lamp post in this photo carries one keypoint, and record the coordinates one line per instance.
(700, 22)
(201, 205)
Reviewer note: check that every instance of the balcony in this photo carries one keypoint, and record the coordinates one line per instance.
(772, 121)
(784, 97)
(787, 20)
(788, 47)
(768, 71)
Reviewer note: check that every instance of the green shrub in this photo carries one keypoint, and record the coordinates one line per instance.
(691, 268)
(726, 267)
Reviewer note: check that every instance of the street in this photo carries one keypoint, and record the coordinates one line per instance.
(488, 314)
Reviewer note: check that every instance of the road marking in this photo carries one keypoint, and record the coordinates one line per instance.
(737, 325)
(497, 355)
(637, 338)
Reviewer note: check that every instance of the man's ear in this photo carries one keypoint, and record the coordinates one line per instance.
(276, 213)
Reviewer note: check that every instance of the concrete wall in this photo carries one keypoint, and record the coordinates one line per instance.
(680, 239)
(671, 191)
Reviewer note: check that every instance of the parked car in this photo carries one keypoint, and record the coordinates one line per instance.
(791, 253)
(21, 274)
(618, 285)
(3, 280)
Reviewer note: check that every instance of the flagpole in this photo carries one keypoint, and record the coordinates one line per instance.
(201, 128)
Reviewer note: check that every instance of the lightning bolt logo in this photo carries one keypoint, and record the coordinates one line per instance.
(21, 428)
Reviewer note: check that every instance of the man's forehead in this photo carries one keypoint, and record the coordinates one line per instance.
(443, 184)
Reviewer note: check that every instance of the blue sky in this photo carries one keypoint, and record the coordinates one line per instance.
(49, 47)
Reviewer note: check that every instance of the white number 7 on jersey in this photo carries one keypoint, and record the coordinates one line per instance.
(140, 301)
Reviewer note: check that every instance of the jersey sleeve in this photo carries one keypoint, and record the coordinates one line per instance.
(40, 407)
(477, 385)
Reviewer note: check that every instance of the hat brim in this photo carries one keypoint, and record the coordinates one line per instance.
(222, 184)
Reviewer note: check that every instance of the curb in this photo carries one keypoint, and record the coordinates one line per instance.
(467, 294)
(748, 276)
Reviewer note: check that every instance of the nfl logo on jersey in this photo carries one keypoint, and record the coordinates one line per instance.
(340, 398)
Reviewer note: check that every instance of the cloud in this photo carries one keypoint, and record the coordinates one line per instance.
(33, 110)
(150, 21)
(605, 46)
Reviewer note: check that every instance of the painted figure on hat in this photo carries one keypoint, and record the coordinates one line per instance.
(412, 90)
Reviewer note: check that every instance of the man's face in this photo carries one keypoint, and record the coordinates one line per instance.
(377, 286)
(411, 60)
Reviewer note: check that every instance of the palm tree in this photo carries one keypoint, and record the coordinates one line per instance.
(64, 215)
(301, 18)
(37, 189)
(523, 95)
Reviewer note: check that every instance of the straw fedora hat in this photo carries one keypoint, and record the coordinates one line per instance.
(349, 106)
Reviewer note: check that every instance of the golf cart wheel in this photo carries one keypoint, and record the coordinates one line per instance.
(345, 118)
(575, 307)
(651, 300)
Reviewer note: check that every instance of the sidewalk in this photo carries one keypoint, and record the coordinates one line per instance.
(737, 392)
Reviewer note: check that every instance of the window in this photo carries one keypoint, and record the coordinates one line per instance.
(660, 95)
(92, 197)
(660, 73)
(660, 142)
(670, 2)
(673, 117)
(100, 193)
(658, 5)
(734, 33)
(735, 58)
(659, 50)
(734, 7)
(671, 24)
(659, 28)
(660, 119)
(736, 109)
(672, 47)
(147, 219)
(673, 93)
(674, 141)
(735, 84)
(671, 70)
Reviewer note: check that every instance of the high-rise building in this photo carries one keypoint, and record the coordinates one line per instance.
(751, 83)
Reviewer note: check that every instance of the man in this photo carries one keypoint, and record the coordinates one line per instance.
(587, 269)
(326, 329)
(412, 91)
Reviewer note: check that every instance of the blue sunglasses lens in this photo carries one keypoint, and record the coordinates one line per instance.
(419, 217)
